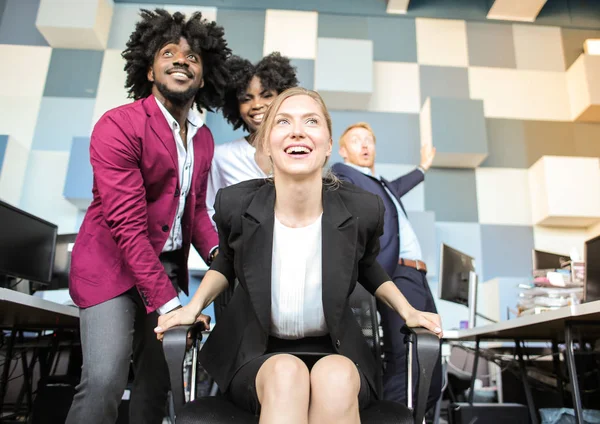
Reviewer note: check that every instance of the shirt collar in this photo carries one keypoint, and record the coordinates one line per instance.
(363, 169)
(193, 118)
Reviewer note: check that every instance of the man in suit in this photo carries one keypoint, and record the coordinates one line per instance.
(150, 161)
(400, 254)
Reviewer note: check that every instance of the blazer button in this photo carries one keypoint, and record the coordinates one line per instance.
(337, 343)
(165, 228)
(176, 192)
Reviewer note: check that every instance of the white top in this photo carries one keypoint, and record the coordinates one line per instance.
(232, 163)
(185, 167)
(296, 282)
(185, 159)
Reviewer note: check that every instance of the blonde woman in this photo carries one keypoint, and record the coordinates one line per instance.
(288, 347)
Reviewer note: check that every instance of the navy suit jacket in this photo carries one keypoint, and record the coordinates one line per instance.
(390, 240)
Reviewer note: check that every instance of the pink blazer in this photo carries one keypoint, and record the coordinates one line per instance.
(135, 194)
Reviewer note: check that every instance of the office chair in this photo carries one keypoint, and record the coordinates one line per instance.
(219, 410)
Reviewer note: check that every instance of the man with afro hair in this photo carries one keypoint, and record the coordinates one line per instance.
(251, 90)
(150, 160)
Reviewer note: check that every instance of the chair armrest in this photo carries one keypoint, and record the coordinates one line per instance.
(427, 347)
(175, 347)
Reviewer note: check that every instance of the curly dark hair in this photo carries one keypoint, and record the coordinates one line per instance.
(158, 28)
(274, 71)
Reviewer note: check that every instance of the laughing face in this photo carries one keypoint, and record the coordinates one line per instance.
(254, 102)
(176, 72)
(299, 141)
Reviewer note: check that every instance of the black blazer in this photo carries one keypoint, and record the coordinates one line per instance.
(244, 213)
(390, 240)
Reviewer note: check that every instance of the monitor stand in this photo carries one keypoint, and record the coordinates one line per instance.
(472, 298)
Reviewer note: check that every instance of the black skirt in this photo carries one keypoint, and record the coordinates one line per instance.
(242, 388)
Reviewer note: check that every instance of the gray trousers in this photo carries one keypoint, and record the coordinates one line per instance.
(113, 334)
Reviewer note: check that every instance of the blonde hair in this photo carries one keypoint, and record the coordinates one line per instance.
(261, 140)
(364, 125)
(261, 137)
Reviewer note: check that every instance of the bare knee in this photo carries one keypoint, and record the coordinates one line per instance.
(282, 376)
(335, 383)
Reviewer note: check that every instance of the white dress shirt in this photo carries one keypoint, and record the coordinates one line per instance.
(296, 282)
(232, 163)
(409, 243)
(185, 161)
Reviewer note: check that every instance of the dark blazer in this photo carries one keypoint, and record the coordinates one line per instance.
(244, 213)
(390, 240)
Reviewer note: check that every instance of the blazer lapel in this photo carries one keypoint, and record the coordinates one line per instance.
(257, 230)
(339, 230)
(387, 184)
(161, 128)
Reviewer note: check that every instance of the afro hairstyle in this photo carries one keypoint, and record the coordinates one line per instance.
(274, 71)
(158, 28)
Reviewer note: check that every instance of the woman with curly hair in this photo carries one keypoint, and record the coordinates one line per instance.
(251, 90)
(150, 160)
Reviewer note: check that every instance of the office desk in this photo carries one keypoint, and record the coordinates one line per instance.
(555, 326)
(22, 312)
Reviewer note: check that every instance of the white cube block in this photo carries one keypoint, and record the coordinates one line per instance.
(516, 10)
(565, 191)
(75, 24)
(583, 82)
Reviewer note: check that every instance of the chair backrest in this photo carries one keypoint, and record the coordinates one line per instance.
(364, 307)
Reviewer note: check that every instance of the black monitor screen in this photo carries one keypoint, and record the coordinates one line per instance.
(592, 270)
(62, 261)
(455, 267)
(26, 245)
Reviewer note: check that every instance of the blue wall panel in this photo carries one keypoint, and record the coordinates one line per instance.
(17, 23)
(3, 145)
(59, 120)
(78, 184)
(73, 73)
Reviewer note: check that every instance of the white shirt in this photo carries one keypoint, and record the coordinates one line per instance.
(232, 163)
(296, 282)
(409, 243)
(185, 162)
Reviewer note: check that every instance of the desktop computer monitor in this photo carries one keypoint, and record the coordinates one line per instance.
(455, 268)
(547, 260)
(458, 281)
(26, 245)
(591, 290)
(62, 261)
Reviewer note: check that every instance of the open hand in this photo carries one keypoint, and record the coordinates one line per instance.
(427, 320)
(182, 316)
(427, 155)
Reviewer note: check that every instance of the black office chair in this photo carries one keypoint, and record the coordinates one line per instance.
(219, 410)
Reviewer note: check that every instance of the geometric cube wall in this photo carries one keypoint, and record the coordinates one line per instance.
(510, 10)
(344, 72)
(583, 81)
(456, 128)
(565, 191)
(79, 25)
(79, 180)
(12, 170)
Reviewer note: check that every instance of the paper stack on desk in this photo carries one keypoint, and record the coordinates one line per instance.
(552, 288)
